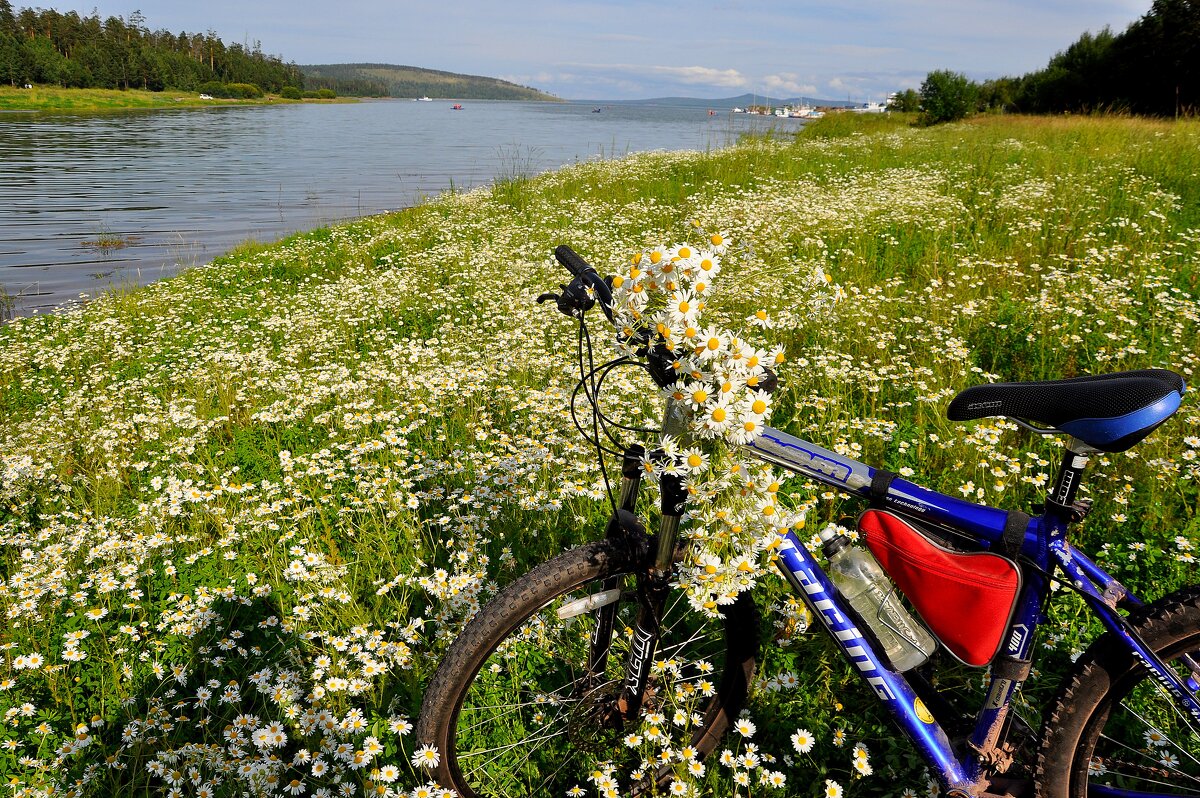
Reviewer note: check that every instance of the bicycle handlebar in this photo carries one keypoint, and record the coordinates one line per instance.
(571, 260)
(586, 276)
(575, 300)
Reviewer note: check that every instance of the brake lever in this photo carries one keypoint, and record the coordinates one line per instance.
(546, 298)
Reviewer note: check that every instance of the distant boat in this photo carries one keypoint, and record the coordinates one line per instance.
(804, 111)
(456, 107)
(424, 99)
(870, 108)
(596, 110)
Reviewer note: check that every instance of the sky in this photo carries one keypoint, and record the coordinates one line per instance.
(634, 49)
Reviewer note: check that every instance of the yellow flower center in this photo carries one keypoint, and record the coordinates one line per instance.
(706, 265)
(759, 406)
(780, 358)
(695, 460)
(749, 426)
(635, 273)
(699, 396)
(714, 344)
(636, 259)
(761, 314)
(655, 257)
(684, 307)
(718, 414)
(685, 252)
(716, 239)
(617, 281)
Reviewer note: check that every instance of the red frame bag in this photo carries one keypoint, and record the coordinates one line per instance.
(967, 599)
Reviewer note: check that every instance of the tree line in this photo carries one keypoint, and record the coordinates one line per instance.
(46, 46)
(1152, 68)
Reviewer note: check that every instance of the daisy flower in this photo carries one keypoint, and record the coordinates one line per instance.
(426, 757)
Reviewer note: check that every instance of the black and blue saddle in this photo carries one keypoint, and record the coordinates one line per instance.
(1109, 412)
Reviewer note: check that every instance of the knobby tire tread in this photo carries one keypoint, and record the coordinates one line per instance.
(1168, 620)
(523, 597)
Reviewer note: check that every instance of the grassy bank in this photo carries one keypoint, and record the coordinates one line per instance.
(56, 98)
(270, 490)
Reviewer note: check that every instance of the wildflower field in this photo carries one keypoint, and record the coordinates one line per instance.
(245, 510)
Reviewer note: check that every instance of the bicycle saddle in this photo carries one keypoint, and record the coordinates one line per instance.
(1109, 412)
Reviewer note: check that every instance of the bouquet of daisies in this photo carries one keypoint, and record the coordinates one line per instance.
(734, 514)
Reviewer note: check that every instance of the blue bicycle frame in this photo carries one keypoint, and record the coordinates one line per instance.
(1045, 546)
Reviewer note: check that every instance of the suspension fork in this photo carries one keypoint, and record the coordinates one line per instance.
(653, 584)
(620, 527)
(652, 595)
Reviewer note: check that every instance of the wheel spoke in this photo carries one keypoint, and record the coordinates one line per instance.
(538, 724)
(1161, 733)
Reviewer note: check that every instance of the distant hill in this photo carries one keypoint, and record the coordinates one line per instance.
(392, 80)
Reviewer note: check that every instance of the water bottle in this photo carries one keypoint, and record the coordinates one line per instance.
(865, 586)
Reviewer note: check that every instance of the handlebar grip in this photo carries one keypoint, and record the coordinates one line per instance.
(571, 261)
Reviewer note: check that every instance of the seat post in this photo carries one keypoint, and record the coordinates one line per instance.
(1070, 474)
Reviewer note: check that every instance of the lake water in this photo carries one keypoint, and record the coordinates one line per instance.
(180, 187)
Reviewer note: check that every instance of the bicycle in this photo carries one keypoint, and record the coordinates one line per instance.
(564, 662)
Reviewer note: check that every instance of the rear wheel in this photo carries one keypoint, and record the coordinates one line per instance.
(512, 710)
(1113, 730)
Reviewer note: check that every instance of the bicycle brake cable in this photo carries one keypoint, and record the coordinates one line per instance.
(587, 379)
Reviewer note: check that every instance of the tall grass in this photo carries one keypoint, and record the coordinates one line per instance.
(56, 98)
(272, 489)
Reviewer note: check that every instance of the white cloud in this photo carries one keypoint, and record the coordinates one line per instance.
(846, 83)
(704, 76)
(689, 75)
(787, 83)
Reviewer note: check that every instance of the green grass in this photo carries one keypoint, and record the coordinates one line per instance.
(365, 425)
(56, 98)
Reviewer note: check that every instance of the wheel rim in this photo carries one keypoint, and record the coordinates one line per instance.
(552, 738)
(1142, 742)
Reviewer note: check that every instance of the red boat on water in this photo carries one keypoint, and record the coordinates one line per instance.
(456, 107)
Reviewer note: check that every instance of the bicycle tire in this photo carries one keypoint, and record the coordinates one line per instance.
(1111, 725)
(502, 621)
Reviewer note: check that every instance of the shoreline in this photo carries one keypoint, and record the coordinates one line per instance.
(54, 99)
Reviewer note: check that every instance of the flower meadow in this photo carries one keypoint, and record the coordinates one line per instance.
(244, 511)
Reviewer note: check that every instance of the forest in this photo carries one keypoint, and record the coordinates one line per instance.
(1152, 68)
(66, 49)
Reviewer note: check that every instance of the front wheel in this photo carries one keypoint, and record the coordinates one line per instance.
(1112, 730)
(513, 710)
